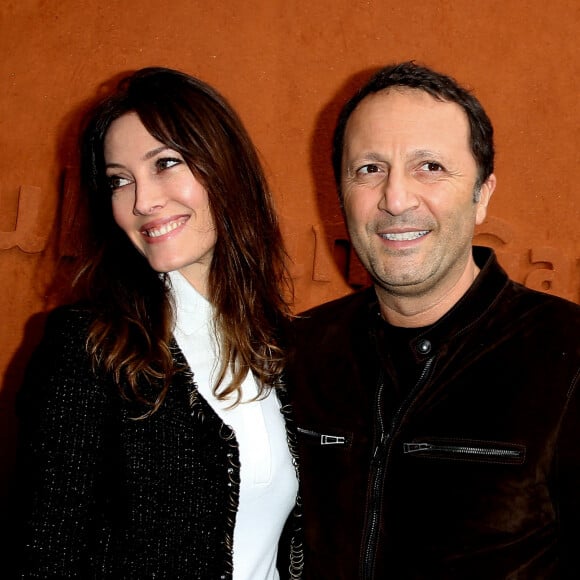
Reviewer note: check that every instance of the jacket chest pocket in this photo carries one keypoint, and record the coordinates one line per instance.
(468, 450)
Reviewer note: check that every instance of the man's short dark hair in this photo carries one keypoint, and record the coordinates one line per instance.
(441, 87)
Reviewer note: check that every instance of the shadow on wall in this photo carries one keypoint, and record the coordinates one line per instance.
(13, 378)
(60, 257)
(329, 208)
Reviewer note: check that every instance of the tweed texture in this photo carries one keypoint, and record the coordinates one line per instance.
(103, 495)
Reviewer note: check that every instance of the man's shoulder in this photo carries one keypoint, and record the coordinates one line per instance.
(344, 305)
(551, 308)
(324, 335)
(347, 311)
(536, 318)
(519, 300)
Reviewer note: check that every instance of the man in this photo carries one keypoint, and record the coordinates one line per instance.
(438, 412)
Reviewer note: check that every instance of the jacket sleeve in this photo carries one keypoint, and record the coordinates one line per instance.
(567, 488)
(62, 409)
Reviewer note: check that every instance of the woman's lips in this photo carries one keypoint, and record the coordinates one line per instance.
(158, 229)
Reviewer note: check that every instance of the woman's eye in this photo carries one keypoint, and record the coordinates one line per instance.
(116, 181)
(166, 163)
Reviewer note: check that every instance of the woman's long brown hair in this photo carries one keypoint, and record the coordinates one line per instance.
(131, 336)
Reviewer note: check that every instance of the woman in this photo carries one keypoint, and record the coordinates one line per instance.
(152, 441)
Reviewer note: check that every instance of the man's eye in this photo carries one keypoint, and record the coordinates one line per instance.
(431, 166)
(166, 163)
(370, 168)
(116, 181)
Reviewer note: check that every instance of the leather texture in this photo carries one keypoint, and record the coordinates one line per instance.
(475, 473)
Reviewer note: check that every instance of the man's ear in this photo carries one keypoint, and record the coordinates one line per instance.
(485, 192)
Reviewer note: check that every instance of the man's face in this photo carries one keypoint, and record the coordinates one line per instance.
(408, 181)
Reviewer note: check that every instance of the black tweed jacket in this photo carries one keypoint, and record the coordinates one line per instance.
(102, 495)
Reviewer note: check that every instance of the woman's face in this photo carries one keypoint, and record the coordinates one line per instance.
(158, 202)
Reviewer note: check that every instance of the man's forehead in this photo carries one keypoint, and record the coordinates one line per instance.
(403, 109)
(401, 96)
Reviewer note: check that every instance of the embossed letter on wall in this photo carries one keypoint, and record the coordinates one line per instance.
(29, 234)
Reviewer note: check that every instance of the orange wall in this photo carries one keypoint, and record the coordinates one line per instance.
(285, 65)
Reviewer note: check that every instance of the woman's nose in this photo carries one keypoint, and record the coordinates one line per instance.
(149, 198)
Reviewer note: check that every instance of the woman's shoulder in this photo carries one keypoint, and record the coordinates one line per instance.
(77, 315)
(68, 325)
(60, 368)
(64, 339)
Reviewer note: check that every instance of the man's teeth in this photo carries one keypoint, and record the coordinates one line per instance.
(405, 236)
(164, 229)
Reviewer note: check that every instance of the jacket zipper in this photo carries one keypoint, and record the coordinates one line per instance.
(462, 450)
(379, 463)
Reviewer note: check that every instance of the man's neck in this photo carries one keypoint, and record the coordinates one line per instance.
(412, 311)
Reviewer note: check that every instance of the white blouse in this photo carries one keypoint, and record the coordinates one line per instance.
(268, 484)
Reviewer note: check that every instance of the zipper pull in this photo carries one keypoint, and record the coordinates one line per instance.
(332, 440)
(416, 447)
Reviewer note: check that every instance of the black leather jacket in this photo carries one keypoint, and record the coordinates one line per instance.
(475, 472)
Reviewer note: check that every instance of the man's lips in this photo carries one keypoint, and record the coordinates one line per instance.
(403, 236)
(158, 229)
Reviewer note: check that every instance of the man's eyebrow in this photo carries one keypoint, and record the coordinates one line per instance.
(368, 156)
(422, 153)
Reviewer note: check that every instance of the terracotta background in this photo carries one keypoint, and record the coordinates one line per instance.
(285, 66)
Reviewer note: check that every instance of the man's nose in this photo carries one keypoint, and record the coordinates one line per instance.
(398, 195)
